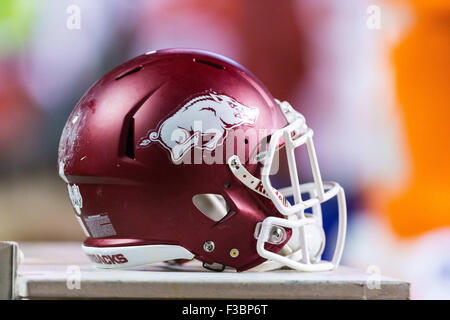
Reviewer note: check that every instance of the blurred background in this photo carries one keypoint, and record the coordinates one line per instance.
(371, 77)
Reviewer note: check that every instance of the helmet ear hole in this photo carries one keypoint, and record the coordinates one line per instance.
(211, 205)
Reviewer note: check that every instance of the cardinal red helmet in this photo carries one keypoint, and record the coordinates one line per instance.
(170, 156)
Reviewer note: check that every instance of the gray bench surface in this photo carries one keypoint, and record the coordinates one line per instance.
(62, 271)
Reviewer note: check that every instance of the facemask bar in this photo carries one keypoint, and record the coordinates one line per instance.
(292, 260)
(295, 134)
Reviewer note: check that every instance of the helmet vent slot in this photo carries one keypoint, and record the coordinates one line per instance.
(129, 72)
(209, 63)
(127, 143)
(129, 147)
(211, 205)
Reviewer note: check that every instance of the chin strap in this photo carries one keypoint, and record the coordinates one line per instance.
(251, 181)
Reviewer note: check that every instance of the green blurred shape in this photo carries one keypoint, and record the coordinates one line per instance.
(16, 22)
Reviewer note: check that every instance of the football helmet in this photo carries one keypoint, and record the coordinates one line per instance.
(171, 156)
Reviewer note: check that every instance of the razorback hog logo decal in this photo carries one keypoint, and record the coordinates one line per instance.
(207, 114)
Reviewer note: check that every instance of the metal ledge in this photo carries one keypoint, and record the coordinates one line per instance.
(8, 268)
